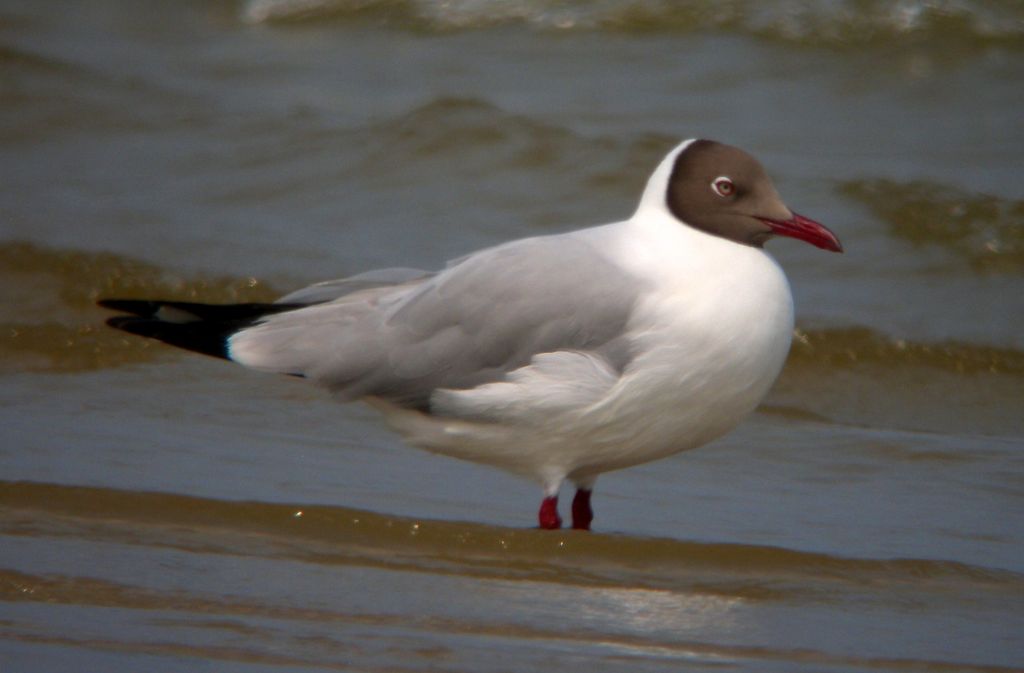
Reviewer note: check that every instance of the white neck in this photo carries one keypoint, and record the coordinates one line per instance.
(654, 196)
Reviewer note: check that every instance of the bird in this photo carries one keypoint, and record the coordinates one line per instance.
(556, 357)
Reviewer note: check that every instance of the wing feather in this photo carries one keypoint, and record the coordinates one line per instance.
(471, 324)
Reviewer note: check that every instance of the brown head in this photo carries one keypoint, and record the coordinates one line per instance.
(726, 192)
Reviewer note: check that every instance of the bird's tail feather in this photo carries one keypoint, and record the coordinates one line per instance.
(203, 328)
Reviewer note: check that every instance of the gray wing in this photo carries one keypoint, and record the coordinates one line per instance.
(471, 324)
(330, 290)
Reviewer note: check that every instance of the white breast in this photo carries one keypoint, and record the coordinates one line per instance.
(710, 339)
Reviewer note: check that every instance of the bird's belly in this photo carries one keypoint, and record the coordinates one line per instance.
(703, 361)
(691, 385)
(667, 403)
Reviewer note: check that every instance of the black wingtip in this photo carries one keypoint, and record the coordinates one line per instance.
(199, 337)
(139, 307)
(203, 328)
(122, 322)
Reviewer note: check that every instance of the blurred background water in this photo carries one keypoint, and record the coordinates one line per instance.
(163, 511)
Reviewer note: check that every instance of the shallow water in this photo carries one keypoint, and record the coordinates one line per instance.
(162, 511)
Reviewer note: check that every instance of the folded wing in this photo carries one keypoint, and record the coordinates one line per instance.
(494, 323)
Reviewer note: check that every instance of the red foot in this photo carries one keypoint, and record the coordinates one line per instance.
(548, 515)
(582, 515)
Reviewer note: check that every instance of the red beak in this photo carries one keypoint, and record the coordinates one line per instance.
(805, 229)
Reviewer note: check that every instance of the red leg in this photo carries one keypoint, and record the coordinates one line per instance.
(548, 515)
(582, 515)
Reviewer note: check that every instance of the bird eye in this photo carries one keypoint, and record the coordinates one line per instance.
(723, 186)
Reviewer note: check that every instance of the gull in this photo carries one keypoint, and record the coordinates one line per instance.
(558, 357)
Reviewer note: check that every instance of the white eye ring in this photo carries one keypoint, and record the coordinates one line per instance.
(723, 186)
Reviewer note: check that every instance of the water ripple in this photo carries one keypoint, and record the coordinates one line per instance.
(837, 24)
